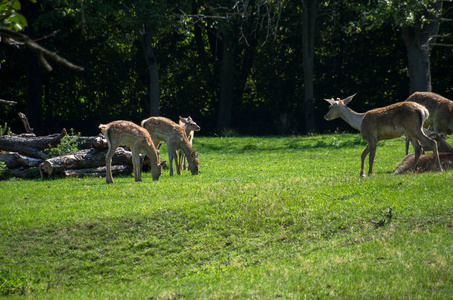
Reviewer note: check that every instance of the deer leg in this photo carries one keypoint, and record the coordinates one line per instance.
(364, 154)
(418, 152)
(177, 163)
(372, 148)
(431, 143)
(136, 165)
(182, 160)
(108, 163)
(407, 144)
(171, 152)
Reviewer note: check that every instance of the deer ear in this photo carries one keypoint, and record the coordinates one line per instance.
(194, 155)
(347, 100)
(328, 100)
(162, 163)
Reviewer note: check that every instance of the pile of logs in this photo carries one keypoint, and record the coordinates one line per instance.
(87, 162)
(25, 155)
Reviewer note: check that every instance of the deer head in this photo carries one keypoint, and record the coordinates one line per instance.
(336, 106)
(190, 124)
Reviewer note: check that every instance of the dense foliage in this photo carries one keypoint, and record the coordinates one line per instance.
(245, 60)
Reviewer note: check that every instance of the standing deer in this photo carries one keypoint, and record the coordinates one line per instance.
(129, 134)
(189, 127)
(385, 123)
(426, 162)
(440, 112)
(163, 129)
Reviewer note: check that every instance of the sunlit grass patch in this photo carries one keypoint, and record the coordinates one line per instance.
(265, 218)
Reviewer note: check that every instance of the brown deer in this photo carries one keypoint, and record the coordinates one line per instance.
(385, 123)
(426, 162)
(440, 112)
(442, 145)
(130, 134)
(163, 129)
(189, 126)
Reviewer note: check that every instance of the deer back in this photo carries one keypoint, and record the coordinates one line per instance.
(392, 121)
(440, 110)
(163, 129)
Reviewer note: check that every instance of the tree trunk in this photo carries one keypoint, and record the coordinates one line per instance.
(34, 71)
(417, 41)
(226, 84)
(310, 14)
(154, 91)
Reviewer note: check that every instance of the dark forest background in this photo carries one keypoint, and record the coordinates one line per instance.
(233, 66)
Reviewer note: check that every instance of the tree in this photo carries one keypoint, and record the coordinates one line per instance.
(417, 37)
(419, 22)
(309, 17)
(37, 54)
(236, 27)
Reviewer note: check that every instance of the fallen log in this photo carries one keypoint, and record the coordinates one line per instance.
(15, 160)
(24, 172)
(96, 172)
(100, 143)
(86, 142)
(82, 159)
(30, 146)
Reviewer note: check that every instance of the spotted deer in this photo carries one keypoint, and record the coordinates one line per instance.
(189, 127)
(385, 123)
(126, 133)
(163, 129)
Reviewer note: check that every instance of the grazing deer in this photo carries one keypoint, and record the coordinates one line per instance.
(440, 112)
(129, 134)
(163, 129)
(426, 162)
(384, 123)
(189, 127)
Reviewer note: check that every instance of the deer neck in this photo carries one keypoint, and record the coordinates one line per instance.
(152, 154)
(351, 117)
(186, 148)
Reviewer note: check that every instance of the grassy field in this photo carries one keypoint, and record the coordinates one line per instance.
(267, 218)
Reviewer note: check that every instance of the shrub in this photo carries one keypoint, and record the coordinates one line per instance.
(5, 129)
(4, 172)
(67, 145)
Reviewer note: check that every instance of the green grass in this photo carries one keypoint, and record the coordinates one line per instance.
(274, 217)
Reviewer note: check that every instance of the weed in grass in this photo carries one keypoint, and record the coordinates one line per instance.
(385, 220)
